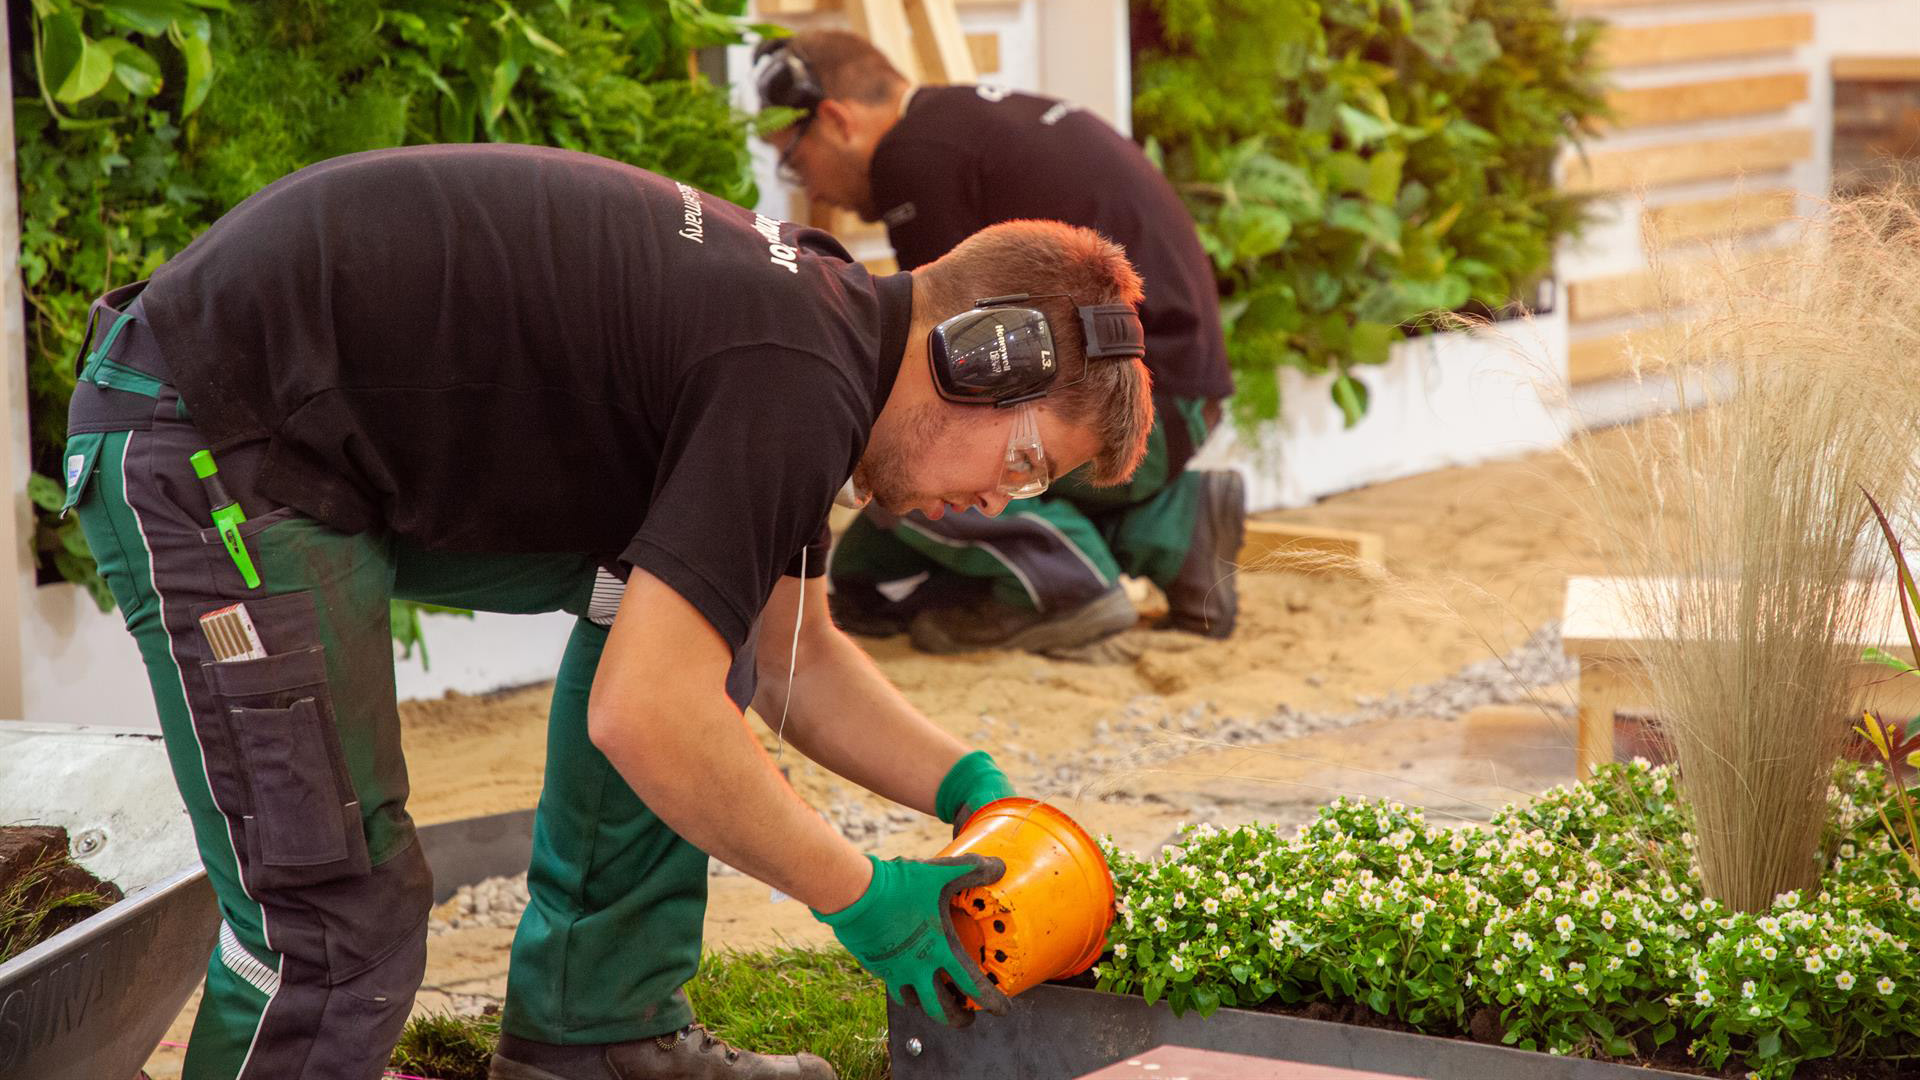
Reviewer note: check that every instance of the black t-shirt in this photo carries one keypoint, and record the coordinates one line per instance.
(508, 349)
(965, 157)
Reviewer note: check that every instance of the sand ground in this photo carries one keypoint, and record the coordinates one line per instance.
(1477, 560)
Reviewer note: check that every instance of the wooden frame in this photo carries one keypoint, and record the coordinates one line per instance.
(16, 524)
(1688, 160)
(1716, 39)
(1269, 543)
(1707, 99)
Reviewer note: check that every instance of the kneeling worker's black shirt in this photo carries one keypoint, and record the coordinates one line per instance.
(514, 349)
(961, 158)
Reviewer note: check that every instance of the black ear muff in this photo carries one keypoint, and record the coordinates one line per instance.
(782, 78)
(1113, 331)
(993, 356)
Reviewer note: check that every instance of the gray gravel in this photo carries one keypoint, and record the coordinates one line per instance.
(1152, 733)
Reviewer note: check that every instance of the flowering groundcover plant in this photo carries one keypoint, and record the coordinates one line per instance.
(1574, 925)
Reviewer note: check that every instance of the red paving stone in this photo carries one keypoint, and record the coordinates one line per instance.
(1186, 1063)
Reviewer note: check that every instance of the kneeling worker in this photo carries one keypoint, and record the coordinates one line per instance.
(519, 380)
(936, 164)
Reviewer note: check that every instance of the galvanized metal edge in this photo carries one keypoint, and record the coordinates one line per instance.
(474, 849)
(1059, 1032)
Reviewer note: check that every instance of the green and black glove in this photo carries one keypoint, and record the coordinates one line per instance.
(973, 782)
(901, 929)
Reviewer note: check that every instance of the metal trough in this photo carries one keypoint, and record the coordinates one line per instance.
(1054, 1032)
(92, 1002)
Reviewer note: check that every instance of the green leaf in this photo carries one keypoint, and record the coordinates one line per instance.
(135, 68)
(89, 76)
(540, 40)
(217, 5)
(45, 492)
(1874, 654)
(1205, 999)
(149, 17)
(1363, 129)
(1376, 223)
(193, 36)
(1153, 988)
(1351, 395)
(1767, 1045)
(505, 74)
(1383, 175)
(61, 47)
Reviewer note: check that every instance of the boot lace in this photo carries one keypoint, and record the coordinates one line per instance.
(708, 1040)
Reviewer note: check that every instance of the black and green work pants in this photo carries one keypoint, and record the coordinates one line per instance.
(1052, 553)
(291, 770)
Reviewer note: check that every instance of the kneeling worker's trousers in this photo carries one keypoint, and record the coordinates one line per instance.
(290, 765)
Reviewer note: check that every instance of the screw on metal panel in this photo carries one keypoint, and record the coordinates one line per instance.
(89, 842)
(913, 1046)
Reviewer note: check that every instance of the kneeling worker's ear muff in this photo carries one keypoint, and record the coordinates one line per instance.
(1001, 353)
(782, 78)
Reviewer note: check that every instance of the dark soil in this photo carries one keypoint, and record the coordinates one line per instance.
(42, 891)
(1484, 1026)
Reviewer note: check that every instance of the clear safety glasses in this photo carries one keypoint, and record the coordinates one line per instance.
(1024, 474)
(784, 168)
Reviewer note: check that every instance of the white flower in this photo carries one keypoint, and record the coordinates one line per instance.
(1160, 924)
(1607, 920)
(1120, 951)
(1543, 894)
(1634, 948)
(1531, 877)
(1418, 920)
(1500, 965)
(1564, 924)
(1522, 941)
(1703, 996)
(1590, 897)
(1177, 962)
(1213, 928)
(1885, 985)
(1769, 925)
(1614, 963)
(1179, 900)
(1669, 894)
(1747, 988)
(1814, 963)
(1844, 980)
(1769, 953)
(1688, 910)
(1546, 973)
(1580, 988)
(1753, 1010)
(1210, 905)
(1225, 952)
(1520, 988)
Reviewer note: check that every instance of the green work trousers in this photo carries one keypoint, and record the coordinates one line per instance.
(1051, 553)
(291, 771)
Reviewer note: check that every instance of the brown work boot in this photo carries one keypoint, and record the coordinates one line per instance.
(1204, 597)
(989, 624)
(692, 1053)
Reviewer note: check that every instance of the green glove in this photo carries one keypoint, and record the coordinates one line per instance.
(973, 782)
(901, 929)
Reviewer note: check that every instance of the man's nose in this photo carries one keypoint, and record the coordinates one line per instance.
(992, 504)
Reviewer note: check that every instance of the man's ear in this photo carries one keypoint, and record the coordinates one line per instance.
(837, 121)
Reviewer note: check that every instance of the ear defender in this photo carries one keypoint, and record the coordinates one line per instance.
(1001, 353)
(782, 78)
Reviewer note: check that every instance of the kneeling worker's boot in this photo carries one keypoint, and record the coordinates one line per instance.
(1204, 598)
(989, 624)
(692, 1053)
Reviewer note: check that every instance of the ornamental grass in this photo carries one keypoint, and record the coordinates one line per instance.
(1574, 926)
(1749, 576)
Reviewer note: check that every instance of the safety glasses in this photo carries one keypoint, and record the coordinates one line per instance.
(784, 168)
(1024, 474)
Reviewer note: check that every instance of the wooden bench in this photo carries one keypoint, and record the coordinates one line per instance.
(1598, 629)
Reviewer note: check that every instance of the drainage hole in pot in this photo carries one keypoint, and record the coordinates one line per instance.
(979, 904)
(993, 978)
(999, 927)
(1000, 955)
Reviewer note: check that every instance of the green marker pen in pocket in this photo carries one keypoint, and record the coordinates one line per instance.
(227, 516)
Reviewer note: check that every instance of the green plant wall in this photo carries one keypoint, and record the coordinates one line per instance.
(139, 122)
(1356, 164)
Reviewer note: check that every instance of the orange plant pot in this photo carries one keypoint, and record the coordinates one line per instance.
(1047, 917)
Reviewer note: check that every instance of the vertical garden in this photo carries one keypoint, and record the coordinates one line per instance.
(139, 122)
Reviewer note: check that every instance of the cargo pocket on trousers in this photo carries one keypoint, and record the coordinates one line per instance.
(82, 458)
(302, 818)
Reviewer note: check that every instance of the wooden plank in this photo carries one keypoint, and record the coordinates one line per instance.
(1599, 359)
(1594, 7)
(944, 57)
(1709, 99)
(1716, 39)
(1688, 160)
(1733, 215)
(16, 512)
(1620, 294)
(884, 22)
(1876, 68)
(816, 7)
(986, 52)
(1274, 545)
